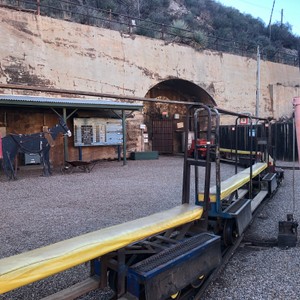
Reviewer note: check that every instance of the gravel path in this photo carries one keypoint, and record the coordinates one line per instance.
(37, 211)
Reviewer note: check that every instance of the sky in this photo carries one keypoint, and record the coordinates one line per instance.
(262, 9)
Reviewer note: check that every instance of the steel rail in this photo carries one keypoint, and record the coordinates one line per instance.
(96, 94)
(227, 254)
(123, 97)
(230, 251)
(231, 113)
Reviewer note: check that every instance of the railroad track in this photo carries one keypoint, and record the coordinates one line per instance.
(229, 252)
(226, 255)
(196, 290)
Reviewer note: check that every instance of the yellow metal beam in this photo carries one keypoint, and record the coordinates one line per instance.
(235, 182)
(239, 152)
(25, 268)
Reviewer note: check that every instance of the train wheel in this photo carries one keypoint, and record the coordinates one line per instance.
(229, 232)
(66, 169)
(175, 296)
(198, 282)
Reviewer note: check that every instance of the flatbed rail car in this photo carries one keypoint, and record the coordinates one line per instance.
(165, 255)
(229, 204)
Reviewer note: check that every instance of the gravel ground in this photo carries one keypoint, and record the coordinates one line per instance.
(37, 211)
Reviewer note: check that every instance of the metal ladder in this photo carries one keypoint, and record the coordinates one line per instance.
(203, 118)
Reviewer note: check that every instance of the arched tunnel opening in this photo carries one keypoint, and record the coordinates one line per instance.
(165, 122)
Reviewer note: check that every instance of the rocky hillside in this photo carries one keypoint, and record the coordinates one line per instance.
(204, 23)
(211, 18)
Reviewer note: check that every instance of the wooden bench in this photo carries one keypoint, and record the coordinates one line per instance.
(25, 268)
(235, 182)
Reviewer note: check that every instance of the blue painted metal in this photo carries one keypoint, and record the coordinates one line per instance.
(214, 210)
(96, 266)
(80, 153)
(174, 268)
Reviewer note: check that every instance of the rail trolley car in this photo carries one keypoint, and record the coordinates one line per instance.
(170, 254)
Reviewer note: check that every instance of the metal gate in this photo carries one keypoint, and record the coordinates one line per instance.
(162, 136)
(282, 139)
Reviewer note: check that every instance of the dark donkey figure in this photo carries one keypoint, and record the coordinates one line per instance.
(39, 143)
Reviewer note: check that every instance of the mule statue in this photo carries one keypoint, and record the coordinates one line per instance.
(39, 143)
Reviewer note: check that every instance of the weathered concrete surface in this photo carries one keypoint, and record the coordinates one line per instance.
(38, 50)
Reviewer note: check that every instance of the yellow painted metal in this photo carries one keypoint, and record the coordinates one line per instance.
(175, 296)
(235, 182)
(240, 152)
(25, 268)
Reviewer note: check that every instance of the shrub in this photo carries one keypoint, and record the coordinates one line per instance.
(200, 38)
(180, 30)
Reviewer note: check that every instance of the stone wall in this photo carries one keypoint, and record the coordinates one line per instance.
(42, 51)
(38, 50)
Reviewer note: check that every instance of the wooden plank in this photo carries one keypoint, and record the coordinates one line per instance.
(76, 290)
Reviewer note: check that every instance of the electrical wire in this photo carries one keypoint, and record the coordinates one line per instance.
(255, 5)
(251, 3)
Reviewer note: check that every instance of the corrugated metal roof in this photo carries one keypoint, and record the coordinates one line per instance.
(20, 100)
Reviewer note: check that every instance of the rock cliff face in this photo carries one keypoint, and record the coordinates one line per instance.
(42, 51)
(177, 8)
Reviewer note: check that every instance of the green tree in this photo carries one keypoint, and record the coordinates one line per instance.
(282, 35)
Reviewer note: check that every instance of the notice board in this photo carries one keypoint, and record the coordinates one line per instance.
(97, 132)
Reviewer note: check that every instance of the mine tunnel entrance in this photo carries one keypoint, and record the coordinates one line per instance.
(164, 122)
